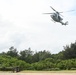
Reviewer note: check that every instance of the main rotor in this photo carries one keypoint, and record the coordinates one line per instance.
(57, 11)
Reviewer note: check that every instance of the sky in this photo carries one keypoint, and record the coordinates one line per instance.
(23, 25)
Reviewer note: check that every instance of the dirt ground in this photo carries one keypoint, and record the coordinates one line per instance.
(37, 73)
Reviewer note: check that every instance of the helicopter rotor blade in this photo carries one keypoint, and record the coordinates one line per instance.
(70, 11)
(67, 11)
(60, 12)
(53, 9)
(47, 13)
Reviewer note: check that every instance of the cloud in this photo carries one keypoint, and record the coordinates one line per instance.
(23, 25)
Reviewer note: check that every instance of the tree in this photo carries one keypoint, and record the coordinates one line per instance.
(44, 54)
(41, 55)
(70, 51)
(26, 55)
(12, 52)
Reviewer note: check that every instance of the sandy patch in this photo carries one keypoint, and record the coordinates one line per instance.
(37, 73)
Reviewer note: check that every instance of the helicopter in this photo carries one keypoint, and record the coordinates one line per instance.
(57, 17)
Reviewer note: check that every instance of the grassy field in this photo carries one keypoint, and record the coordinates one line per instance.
(66, 72)
(38, 73)
(30, 71)
(62, 71)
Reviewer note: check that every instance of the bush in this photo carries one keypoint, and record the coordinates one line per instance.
(73, 69)
(6, 68)
(55, 69)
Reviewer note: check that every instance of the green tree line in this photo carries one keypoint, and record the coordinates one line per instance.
(41, 60)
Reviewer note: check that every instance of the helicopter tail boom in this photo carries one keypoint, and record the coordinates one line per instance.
(66, 23)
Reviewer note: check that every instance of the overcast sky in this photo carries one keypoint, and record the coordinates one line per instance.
(23, 25)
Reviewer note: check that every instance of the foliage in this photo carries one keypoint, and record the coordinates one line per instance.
(12, 52)
(70, 51)
(42, 60)
(26, 55)
(8, 62)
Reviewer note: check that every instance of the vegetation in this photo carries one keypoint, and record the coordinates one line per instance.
(42, 60)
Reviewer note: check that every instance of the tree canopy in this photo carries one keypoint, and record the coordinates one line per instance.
(42, 60)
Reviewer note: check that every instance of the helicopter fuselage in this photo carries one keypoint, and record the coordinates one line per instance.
(56, 17)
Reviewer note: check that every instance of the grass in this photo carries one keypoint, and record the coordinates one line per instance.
(32, 71)
(62, 71)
